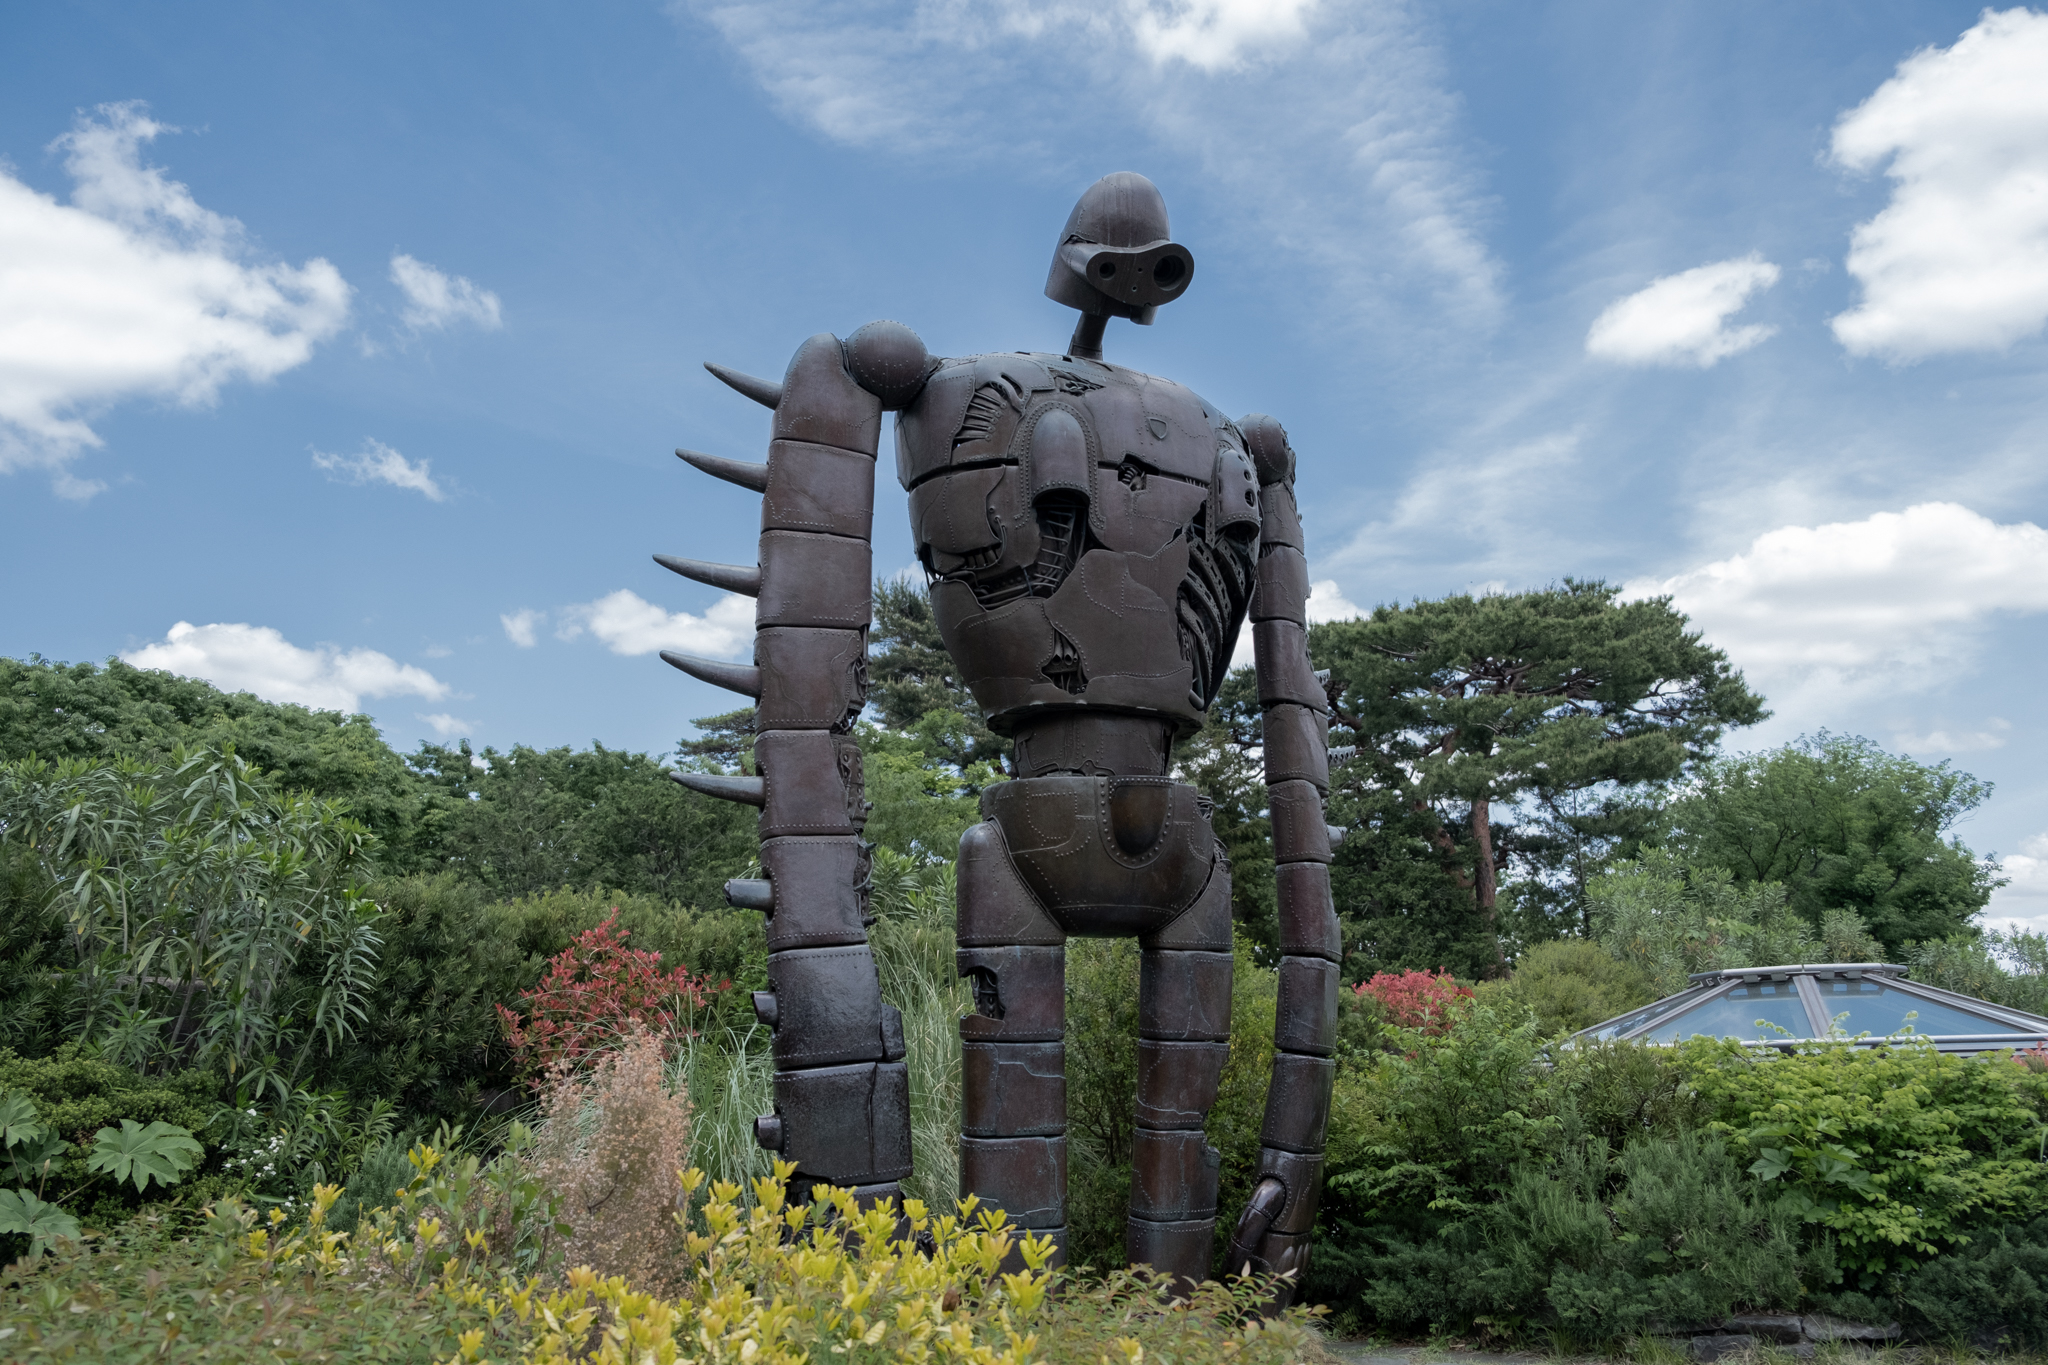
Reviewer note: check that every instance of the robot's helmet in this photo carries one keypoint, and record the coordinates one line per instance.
(1116, 257)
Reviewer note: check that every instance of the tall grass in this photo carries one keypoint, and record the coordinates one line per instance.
(913, 945)
(729, 1073)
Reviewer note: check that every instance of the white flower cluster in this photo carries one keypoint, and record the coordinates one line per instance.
(267, 1156)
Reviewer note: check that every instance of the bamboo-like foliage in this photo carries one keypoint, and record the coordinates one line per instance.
(213, 920)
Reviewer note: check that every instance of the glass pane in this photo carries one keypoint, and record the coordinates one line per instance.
(1734, 1014)
(1646, 1014)
(1879, 1010)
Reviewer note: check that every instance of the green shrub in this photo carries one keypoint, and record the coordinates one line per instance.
(78, 1132)
(1102, 1092)
(1898, 1152)
(429, 1040)
(76, 1095)
(1570, 984)
(149, 1291)
(2005, 968)
(1991, 1292)
(1671, 1234)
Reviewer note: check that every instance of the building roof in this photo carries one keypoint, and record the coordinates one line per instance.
(1869, 1002)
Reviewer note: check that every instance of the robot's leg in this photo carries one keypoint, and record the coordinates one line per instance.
(1013, 1114)
(1184, 1032)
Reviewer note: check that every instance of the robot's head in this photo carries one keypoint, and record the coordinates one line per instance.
(1116, 257)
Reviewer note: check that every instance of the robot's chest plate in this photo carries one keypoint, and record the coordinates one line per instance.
(1089, 532)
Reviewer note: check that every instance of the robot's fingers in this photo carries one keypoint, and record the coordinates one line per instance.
(766, 392)
(745, 473)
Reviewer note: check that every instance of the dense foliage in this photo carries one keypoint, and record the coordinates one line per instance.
(260, 927)
(1842, 825)
(1452, 710)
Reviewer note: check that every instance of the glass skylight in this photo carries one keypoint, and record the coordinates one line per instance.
(1877, 1009)
(1765, 1009)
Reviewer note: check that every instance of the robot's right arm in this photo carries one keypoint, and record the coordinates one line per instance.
(842, 1099)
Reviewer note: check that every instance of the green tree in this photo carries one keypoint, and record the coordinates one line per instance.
(1451, 714)
(1843, 825)
(85, 711)
(212, 920)
(1670, 919)
(533, 820)
(913, 684)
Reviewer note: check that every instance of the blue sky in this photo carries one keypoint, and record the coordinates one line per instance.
(342, 348)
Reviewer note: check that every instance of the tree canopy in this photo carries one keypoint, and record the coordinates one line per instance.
(1843, 825)
(1450, 715)
(88, 711)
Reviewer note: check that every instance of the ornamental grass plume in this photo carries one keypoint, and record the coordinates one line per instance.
(609, 1144)
(1422, 1000)
(596, 990)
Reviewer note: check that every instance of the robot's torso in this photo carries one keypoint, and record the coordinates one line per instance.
(1090, 534)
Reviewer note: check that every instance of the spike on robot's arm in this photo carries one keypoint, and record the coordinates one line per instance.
(842, 1096)
(1272, 1234)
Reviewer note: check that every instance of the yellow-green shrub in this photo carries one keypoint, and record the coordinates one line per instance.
(780, 1283)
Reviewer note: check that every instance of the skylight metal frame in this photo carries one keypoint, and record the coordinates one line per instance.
(2026, 1029)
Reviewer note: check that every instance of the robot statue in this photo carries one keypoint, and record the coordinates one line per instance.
(1093, 538)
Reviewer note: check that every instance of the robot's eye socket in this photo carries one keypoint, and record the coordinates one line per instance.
(1106, 269)
(1168, 271)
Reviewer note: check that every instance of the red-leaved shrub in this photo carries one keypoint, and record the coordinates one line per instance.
(1424, 1000)
(595, 991)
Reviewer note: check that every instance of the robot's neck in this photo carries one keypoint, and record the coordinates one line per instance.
(1087, 342)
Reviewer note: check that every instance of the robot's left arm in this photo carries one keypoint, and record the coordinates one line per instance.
(1272, 1235)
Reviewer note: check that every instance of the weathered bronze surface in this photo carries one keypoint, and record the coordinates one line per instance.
(1094, 539)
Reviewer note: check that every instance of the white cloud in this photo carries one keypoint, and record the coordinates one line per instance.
(433, 300)
(1958, 260)
(1682, 319)
(379, 463)
(1214, 33)
(245, 658)
(1325, 131)
(2028, 870)
(446, 725)
(1891, 600)
(1326, 602)
(134, 290)
(627, 624)
(1943, 741)
(519, 625)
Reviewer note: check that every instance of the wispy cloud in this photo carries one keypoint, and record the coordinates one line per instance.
(258, 659)
(1682, 319)
(1945, 741)
(628, 624)
(520, 625)
(134, 290)
(1958, 260)
(1328, 132)
(433, 300)
(379, 463)
(1477, 511)
(446, 725)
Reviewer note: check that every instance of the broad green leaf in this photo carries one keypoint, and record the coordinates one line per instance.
(22, 1212)
(162, 1151)
(18, 1121)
